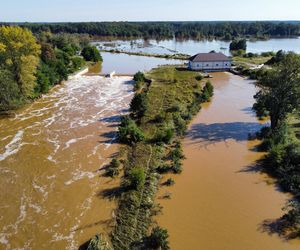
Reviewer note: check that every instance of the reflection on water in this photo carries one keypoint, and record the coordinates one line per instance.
(51, 157)
(192, 46)
(127, 64)
(220, 200)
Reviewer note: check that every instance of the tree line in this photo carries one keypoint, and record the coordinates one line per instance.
(31, 64)
(279, 98)
(180, 30)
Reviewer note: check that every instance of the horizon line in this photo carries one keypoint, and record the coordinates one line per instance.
(170, 21)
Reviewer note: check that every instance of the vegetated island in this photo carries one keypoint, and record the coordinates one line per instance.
(165, 100)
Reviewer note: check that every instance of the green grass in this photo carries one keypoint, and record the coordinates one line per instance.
(170, 87)
(253, 60)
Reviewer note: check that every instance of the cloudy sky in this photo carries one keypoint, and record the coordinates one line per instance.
(147, 10)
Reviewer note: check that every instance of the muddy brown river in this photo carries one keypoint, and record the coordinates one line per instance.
(220, 201)
(51, 155)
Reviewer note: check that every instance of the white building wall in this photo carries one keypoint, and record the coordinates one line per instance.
(210, 65)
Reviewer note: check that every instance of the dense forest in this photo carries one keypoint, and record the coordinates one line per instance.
(181, 30)
(30, 64)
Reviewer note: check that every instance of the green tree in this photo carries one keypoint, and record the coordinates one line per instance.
(138, 105)
(207, 91)
(280, 90)
(19, 53)
(129, 131)
(139, 77)
(238, 44)
(137, 178)
(91, 53)
(9, 91)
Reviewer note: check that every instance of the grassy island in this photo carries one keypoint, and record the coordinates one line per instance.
(165, 100)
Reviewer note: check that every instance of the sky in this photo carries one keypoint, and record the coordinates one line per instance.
(147, 10)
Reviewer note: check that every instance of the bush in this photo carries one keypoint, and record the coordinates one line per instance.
(139, 77)
(136, 178)
(91, 53)
(279, 57)
(165, 135)
(180, 124)
(77, 63)
(199, 77)
(177, 167)
(113, 168)
(129, 131)
(169, 182)
(138, 105)
(177, 153)
(207, 91)
(159, 239)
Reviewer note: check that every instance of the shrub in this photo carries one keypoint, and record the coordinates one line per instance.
(113, 168)
(129, 131)
(159, 239)
(138, 105)
(207, 91)
(177, 153)
(139, 77)
(136, 178)
(77, 63)
(180, 124)
(169, 182)
(177, 167)
(199, 77)
(165, 135)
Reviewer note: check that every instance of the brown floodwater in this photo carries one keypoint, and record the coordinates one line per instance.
(51, 155)
(220, 201)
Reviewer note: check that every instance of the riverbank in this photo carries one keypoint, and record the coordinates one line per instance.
(221, 200)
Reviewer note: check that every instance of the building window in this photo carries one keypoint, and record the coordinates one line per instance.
(207, 65)
(198, 65)
(217, 64)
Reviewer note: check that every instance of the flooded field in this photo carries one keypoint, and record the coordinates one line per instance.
(128, 64)
(192, 47)
(221, 201)
(51, 155)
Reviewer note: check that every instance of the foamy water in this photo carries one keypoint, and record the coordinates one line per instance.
(51, 154)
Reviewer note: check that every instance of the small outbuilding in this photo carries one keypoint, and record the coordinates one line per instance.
(210, 62)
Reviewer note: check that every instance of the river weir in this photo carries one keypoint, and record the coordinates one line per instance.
(51, 155)
(221, 200)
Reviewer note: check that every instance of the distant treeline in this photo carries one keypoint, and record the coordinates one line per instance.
(180, 30)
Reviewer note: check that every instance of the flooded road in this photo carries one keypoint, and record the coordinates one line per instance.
(51, 155)
(220, 201)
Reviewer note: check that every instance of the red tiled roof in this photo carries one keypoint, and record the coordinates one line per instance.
(209, 57)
